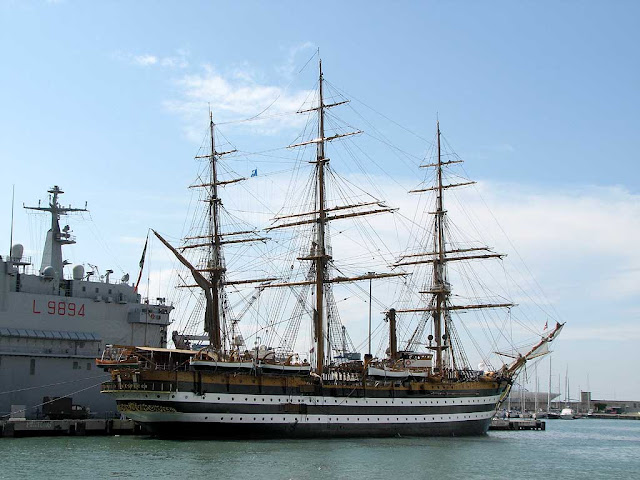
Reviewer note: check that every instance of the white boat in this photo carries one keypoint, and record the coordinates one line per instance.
(568, 414)
(224, 364)
(286, 368)
(386, 372)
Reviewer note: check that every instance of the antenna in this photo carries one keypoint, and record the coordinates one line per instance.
(13, 197)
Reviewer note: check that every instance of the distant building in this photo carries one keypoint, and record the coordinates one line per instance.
(608, 406)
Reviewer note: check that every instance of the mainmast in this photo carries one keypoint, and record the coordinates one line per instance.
(440, 291)
(321, 215)
(320, 253)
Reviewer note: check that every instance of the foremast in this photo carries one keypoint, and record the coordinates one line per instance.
(439, 292)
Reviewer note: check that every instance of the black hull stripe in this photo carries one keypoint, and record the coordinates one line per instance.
(265, 430)
(262, 409)
(347, 391)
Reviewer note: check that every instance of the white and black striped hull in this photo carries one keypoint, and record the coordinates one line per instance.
(244, 415)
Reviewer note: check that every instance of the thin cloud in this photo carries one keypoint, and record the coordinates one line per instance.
(288, 69)
(177, 61)
(145, 60)
(235, 96)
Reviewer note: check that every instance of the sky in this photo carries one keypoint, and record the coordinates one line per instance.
(109, 100)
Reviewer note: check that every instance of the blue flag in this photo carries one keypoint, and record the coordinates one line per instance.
(254, 173)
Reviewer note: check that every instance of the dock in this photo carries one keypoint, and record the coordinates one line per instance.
(517, 424)
(50, 428)
(614, 416)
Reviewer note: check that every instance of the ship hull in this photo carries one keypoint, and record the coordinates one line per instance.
(228, 406)
(205, 429)
(50, 338)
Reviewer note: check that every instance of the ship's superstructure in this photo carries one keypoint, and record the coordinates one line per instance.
(227, 389)
(53, 325)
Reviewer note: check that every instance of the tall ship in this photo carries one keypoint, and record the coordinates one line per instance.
(277, 387)
(56, 318)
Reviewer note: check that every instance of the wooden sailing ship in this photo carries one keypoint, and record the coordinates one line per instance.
(228, 390)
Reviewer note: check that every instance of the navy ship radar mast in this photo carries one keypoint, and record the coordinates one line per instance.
(52, 253)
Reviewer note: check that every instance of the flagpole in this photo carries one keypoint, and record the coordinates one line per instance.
(144, 253)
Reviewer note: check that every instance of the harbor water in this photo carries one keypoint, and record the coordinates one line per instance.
(576, 449)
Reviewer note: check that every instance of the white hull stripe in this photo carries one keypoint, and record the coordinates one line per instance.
(244, 399)
(157, 417)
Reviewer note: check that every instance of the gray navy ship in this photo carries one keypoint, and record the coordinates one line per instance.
(54, 323)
